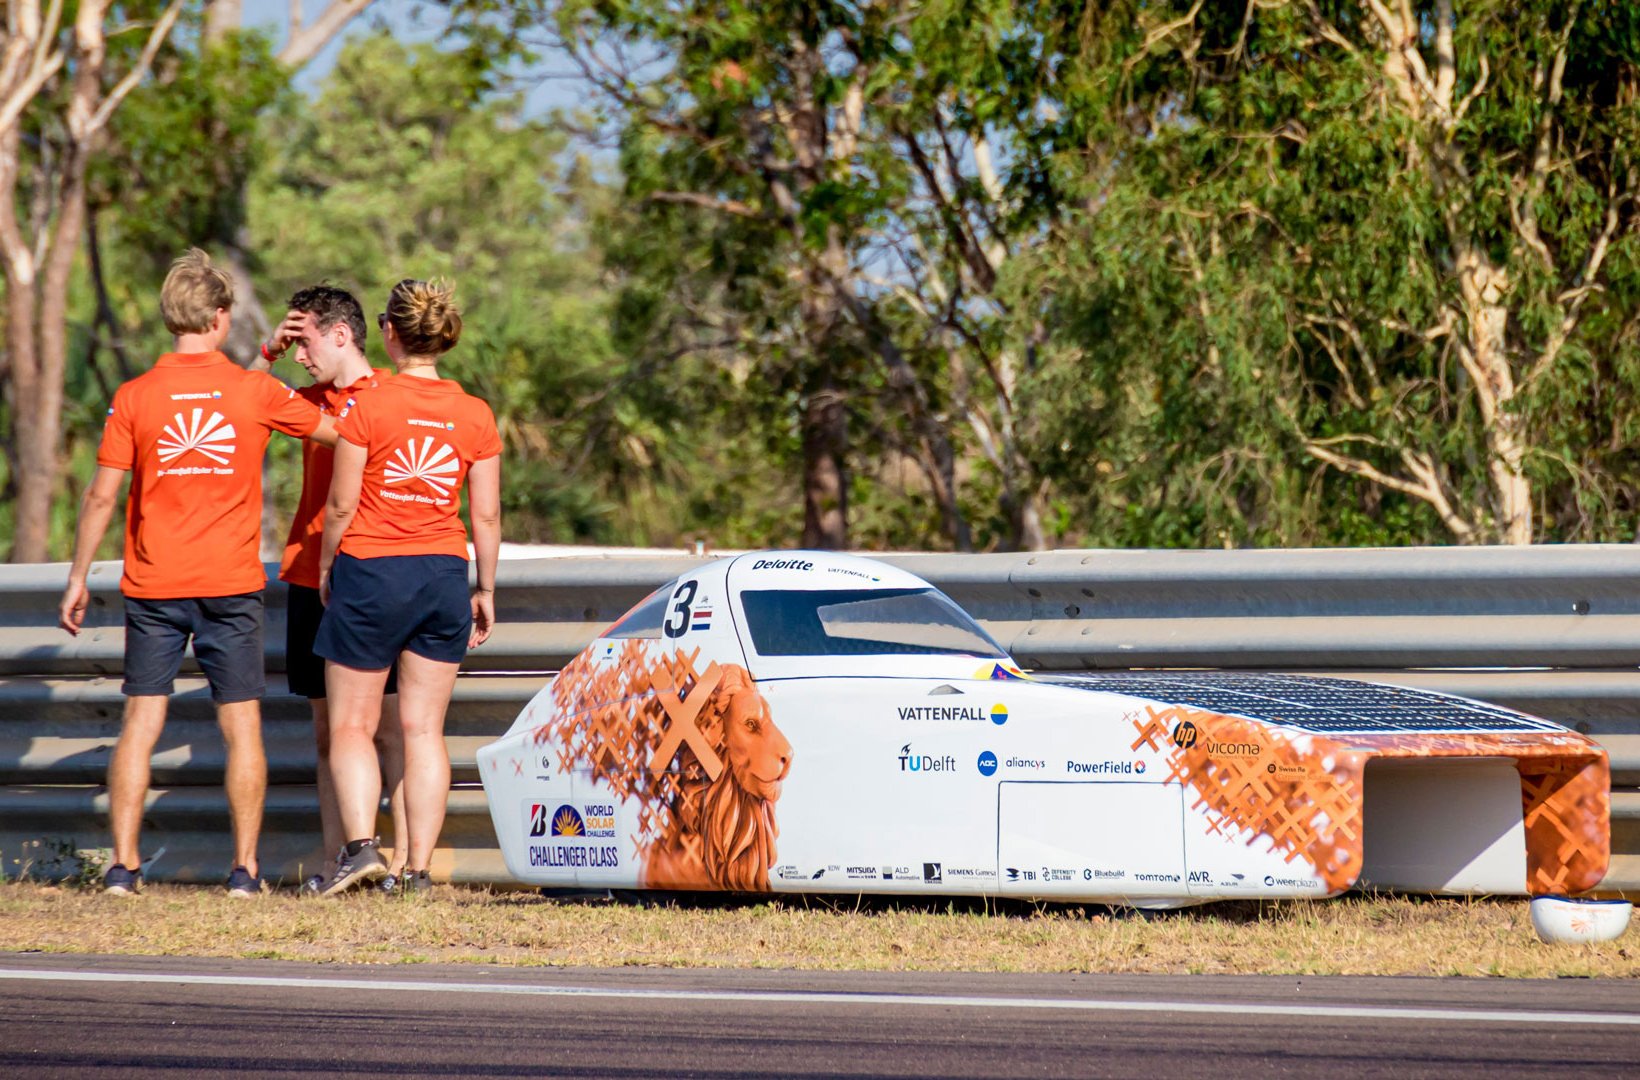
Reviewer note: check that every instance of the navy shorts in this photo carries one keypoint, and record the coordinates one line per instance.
(305, 671)
(227, 636)
(384, 606)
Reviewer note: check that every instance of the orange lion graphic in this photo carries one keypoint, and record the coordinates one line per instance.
(699, 751)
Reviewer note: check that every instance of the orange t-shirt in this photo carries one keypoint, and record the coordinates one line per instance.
(422, 436)
(300, 565)
(192, 432)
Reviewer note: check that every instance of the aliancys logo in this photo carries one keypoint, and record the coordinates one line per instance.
(212, 436)
(437, 468)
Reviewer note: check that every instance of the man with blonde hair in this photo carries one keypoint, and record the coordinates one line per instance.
(192, 433)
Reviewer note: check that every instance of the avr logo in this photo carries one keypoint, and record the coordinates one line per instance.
(1184, 736)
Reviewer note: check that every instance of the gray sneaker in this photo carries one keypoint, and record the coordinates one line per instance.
(389, 884)
(415, 881)
(354, 870)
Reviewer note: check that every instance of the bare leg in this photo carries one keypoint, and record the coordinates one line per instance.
(330, 822)
(247, 779)
(424, 694)
(390, 748)
(355, 699)
(128, 774)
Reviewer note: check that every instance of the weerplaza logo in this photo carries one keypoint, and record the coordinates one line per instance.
(927, 763)
(211, 436)
(437, 468)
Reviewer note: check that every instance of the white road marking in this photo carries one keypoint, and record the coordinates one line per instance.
(832, 997)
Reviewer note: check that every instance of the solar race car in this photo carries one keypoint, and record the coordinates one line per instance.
(815, 722)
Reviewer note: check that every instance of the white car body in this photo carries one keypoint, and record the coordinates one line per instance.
(823, 723)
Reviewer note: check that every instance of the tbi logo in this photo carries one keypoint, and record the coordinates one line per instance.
(1184, 736)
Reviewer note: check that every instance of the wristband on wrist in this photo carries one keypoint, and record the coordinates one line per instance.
(268, 356)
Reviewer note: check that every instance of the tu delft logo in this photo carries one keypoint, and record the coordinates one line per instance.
(1184, 736)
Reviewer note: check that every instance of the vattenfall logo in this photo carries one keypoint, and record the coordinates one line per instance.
(925, 763)
(999, 714)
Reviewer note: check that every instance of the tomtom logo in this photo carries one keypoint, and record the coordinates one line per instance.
(782, 564)
(1184, 736)
(435, 468)
(213, 437)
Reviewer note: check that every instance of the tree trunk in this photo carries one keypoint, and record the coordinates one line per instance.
(825, 477)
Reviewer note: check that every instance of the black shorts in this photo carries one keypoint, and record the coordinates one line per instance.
(227, 636)
(305, 671)
(384, 606)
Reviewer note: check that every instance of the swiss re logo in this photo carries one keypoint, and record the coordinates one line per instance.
(1184, 736)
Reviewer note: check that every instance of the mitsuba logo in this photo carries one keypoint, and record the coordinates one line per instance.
(211, 436)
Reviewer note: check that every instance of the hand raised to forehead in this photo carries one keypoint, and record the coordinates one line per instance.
(290, 330)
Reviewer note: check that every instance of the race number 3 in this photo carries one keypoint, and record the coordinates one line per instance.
(677, 617)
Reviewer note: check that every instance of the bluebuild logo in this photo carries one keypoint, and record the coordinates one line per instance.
(987, 763)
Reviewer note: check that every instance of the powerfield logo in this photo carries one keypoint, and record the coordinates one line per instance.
(1184, 736)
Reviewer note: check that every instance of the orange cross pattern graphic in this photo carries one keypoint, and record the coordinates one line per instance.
(683, 714)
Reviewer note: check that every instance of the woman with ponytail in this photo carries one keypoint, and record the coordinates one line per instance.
(393, 571)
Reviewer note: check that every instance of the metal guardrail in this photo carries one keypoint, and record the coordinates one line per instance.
(1554, 631)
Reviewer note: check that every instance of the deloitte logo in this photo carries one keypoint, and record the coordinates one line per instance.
(999, 714)
(987, 763)
(435, 468)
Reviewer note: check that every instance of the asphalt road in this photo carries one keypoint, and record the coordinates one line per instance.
(68, 1015)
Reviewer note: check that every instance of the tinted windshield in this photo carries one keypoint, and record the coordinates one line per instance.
(862, 622)
(644, 620)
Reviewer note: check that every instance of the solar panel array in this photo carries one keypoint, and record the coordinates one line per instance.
(1311, 703)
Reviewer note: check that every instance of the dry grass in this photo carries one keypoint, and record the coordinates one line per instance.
(1354, 935)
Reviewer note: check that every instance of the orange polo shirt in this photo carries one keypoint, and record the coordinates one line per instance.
(192, 432)
(300, 565)
(421, 435)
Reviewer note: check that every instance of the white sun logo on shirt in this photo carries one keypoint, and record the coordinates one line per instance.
(213, 437)
(435, 468)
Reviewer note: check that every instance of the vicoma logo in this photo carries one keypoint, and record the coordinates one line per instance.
(1184, 735)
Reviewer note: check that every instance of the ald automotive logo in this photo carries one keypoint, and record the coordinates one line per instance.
(987, 763)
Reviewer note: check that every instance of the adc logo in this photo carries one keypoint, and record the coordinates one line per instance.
(1184, 736)
(538, 819)
(987, 763)
(435, 468)
(213, 437)
(566, 821)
